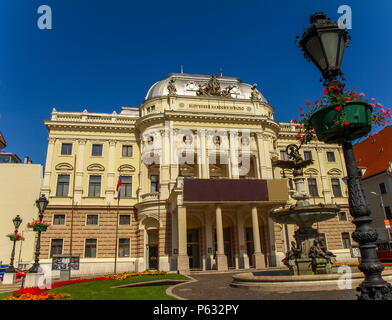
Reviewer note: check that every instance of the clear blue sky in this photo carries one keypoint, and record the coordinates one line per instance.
(104, 54)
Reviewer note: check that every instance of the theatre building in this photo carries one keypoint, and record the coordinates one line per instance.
(197, 182)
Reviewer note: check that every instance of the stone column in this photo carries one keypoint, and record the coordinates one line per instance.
(272, 249)
(268, 164)
(209, 240)
(182, 258)
(221, 259)
(234, 155)
(260, 149)
(205, 174)
(258, 256)
(110, 188)
(79, 170)
(48, 167)
(164, 176)
(244, 259)
(324, 182)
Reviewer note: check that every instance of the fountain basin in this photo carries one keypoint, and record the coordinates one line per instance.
(305, 215)
(291, 283)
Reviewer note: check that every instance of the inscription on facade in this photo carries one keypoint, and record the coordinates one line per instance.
(212, 107)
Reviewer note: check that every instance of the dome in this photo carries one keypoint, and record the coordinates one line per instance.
(189, 84)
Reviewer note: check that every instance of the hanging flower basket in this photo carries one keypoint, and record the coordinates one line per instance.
(37, 225)
(353, 121)
(15, 237)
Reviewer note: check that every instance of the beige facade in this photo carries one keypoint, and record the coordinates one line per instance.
(199, 181)
(19, 188)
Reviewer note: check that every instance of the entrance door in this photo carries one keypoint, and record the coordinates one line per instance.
(227, 246)
(193, 248)
(152, 257)
(250, 248)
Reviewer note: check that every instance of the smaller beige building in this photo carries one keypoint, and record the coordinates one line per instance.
(20, 185)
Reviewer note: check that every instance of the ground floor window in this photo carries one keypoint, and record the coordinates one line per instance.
(124, 247)
(90, 250)
(346, 240)
(56, 247)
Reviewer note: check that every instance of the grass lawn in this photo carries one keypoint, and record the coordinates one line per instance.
(101, 290)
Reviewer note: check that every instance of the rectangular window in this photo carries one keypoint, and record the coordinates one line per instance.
(94, 187)
(388, 212)
(96, 150)
(90, 250)
(154, 182)
(331, 156)
(126, 187)
(127, 151)
(346, 240)
(66, 149)
(383, 189)
(56, 247)
(312, 184)
(124, 247)
(124, 219)
(62, 185)
(59, 219)
(92, 219)
(342, 216)
(283, 155)
(323, 240)
(308, 155)
(337, 191)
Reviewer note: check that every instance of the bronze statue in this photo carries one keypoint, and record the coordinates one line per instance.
(213, 88)
(291, 255)
(319, 251)
(295, 161)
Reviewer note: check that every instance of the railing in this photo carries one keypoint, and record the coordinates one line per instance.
(152, 196)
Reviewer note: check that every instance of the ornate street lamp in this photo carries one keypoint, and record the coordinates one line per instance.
(323, 43)
(41, 204)
(16, 221)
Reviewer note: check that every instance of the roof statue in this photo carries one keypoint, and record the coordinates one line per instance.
(171, 87)
(213, 88)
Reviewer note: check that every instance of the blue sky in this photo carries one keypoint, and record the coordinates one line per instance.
(101, 55)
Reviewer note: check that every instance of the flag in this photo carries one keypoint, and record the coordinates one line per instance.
(119, 183)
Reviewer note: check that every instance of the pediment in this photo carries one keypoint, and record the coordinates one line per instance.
(311, 172)
(64, 166)
(126, 168)
(334, 172)
(95, 167)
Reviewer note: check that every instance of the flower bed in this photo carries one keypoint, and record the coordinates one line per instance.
(125, 275)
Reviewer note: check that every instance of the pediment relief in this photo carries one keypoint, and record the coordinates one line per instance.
(311, 172)
(126, 168)
(95, 167)
(334, 172)
(64, 167)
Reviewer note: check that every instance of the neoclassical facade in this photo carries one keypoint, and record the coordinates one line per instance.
(197, 181)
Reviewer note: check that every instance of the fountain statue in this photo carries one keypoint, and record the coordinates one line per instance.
(308, 254)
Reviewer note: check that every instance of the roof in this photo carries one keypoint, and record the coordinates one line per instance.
(3, 144)
(188, 85)
(375, 152)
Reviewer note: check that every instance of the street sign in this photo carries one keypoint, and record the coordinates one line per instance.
(355, 252)
(65, 262)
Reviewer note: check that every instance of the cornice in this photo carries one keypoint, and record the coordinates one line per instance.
(50, 124)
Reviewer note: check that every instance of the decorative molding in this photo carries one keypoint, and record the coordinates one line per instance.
(311, 172)
(334, 172)
(64, 167)
(95, 167)
(126, 168)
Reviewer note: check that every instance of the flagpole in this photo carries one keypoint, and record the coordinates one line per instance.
(72, 213)
(116, 241)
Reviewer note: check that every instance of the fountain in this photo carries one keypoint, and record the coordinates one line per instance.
(308, 260)
(308, 254)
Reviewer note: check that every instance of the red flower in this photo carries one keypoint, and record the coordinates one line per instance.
(294, 121)
(301, 108)
(334, 121)
(332, 87)
(347, 98)
(325, 91)
(338, 108)
(297, 126)
(346, 123)
(301, 115)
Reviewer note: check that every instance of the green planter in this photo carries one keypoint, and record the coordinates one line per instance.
(357, 113)
(40, 228)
